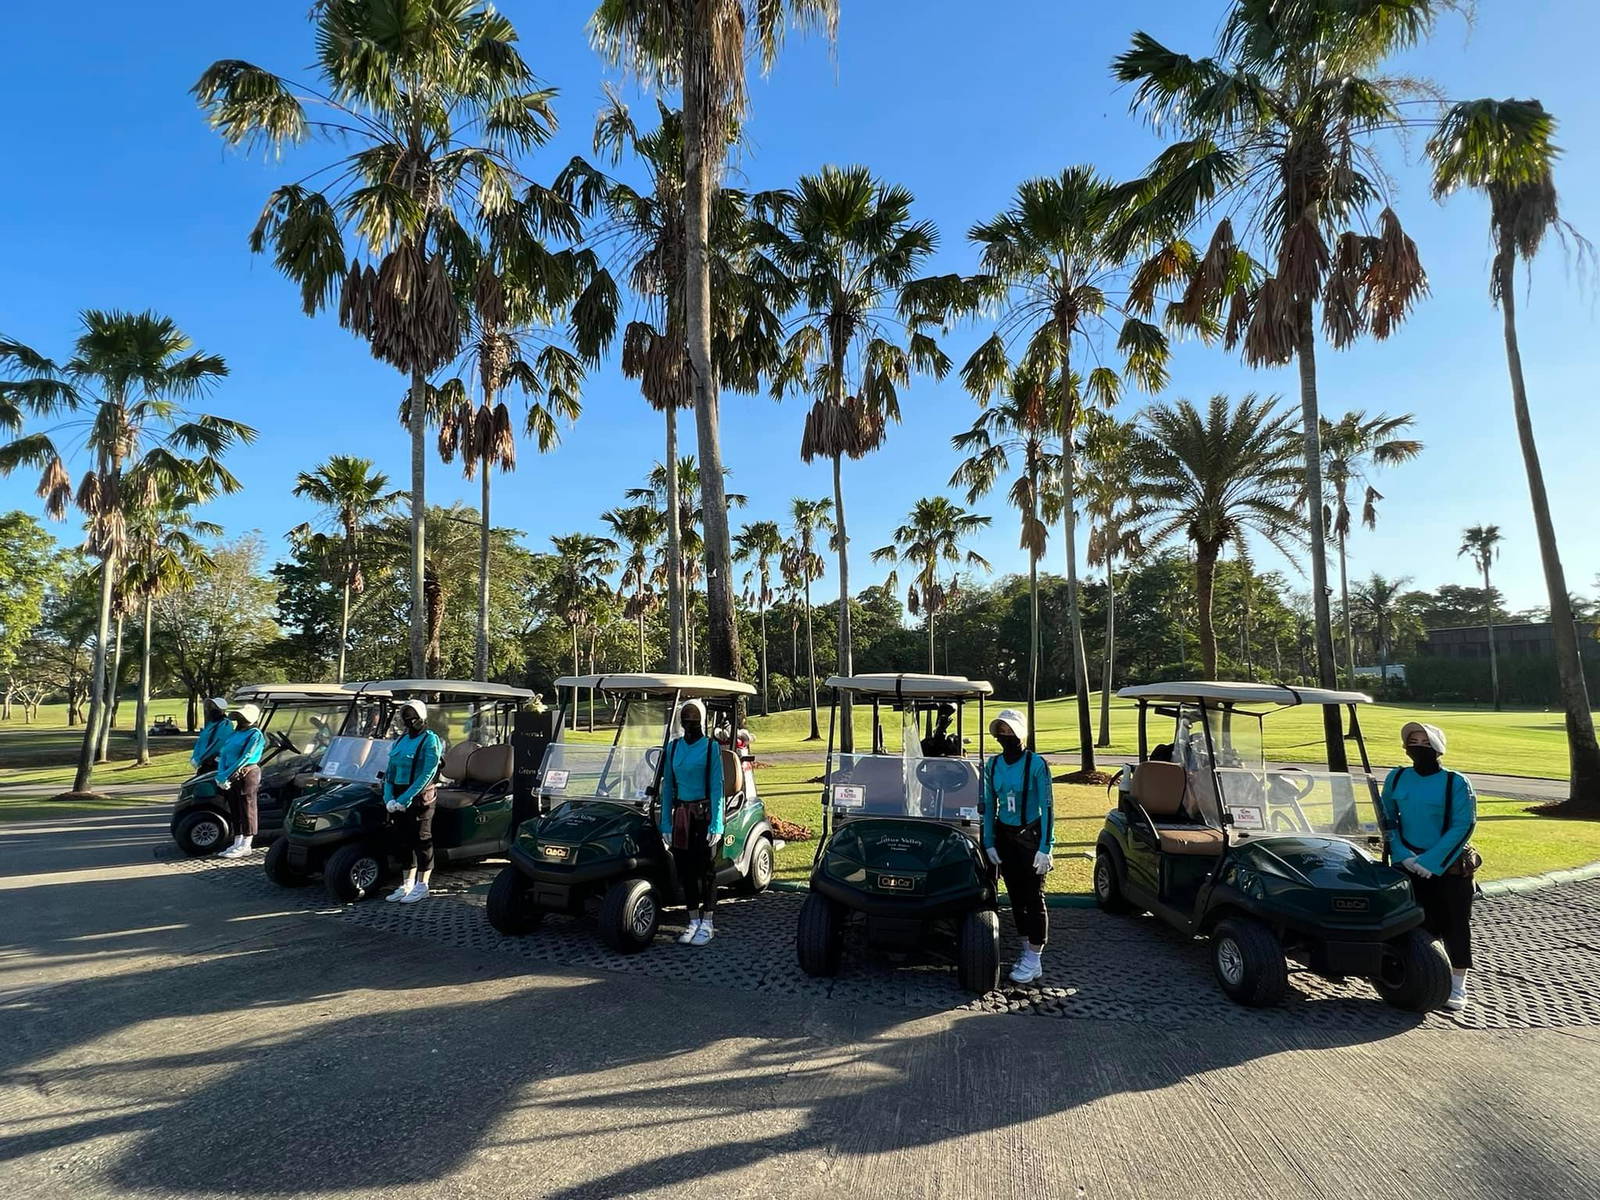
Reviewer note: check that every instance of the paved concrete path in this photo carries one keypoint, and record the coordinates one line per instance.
(173, 1029)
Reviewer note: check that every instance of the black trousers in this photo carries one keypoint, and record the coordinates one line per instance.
(414, 831)
(242, 793)
(697, 867)
(1023, 884)
(1447, 902)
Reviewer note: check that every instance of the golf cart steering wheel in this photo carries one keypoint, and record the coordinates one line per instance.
(941, 776)
(1287, 815)
(1299, 793)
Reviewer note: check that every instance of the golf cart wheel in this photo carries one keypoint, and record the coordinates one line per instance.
(511, 909)
(760, 874)
(629, 915)
(978, 951)
(1415, 974)
(278, 869)
(353, 872)
(818, 936)
(1108, 882)
(203, 832)
(1249, 962)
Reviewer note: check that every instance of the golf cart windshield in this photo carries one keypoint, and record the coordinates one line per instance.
(897, 785)
(306, 727)
(622, 772)
(355, 760)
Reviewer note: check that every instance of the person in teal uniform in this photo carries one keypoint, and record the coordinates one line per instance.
(1019, 834)
(408, 794)
(1430, 813)
(239, 754)
(691, 817)
(212, 735)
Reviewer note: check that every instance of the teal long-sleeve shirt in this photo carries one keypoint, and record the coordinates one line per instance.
(240, 749)
(210, 740)
(413, 763)
(1414, 807)
(683, 780)
(1003, 797)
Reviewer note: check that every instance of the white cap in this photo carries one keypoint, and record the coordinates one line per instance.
(220, 703)
(250, 712)
(1015, 721)
(416, 706)
(1435, 735)
(694, 706)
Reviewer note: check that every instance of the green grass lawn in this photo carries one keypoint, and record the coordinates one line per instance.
(45, 754)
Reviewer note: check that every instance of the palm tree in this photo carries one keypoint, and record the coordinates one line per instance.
(1504, 148)
(847, 242)
(932, 537)
(126, 377)
(639, 527)
(354, 495)
(1215, 477)
(1275, 129)
(1349, 446)
(1117, 528)
(1378, 598)
(583, 561)
(760, 543)
(801, 565)
(1019, 421)
(1481, 543)
(703, 47)
(438, 104)
(1057, 281)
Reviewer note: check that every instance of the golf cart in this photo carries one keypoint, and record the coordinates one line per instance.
(1269, 861)
(342, 831)
(299, 721)
(598, 838)
(900, 834)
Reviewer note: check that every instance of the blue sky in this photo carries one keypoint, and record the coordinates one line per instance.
(119, 196)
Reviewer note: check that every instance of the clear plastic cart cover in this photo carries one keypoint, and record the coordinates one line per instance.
(1281, 800)
(574, 771)
(355, 759)
(900, 785)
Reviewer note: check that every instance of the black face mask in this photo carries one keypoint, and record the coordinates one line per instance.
(1010, 747)
(1424, 758)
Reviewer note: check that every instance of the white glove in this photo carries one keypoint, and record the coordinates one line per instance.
(1421, 872)
(1042, 863)
(712, 839)
(394, 806)
(223, 785)
(994, 855)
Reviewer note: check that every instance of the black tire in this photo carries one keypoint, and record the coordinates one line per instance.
(511, 909)
(757, 879)
(630, 914)
(202, 832)
(1415, 974)
(278, 869)
(819, 936)
(1249, 962)
(1108, 882)
(978, 951)
(354, 872)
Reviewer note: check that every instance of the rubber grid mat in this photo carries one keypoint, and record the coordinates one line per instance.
(1537, 955)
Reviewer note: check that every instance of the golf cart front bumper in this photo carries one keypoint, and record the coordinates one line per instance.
(557, 886)
(903, 908)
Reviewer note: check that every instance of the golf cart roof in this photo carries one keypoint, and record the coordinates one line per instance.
(688, 685)
(916, 687)
(445, 687)
(298, 691)
(1241, 693)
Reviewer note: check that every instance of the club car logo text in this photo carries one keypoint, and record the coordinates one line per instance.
(896, 883)
(1351, 904)
(561, 853)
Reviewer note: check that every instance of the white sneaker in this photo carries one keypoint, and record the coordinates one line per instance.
(687, 935)
(237, 850)
(399, 893)
(1028, 968)
(703, 933)
(417, 891)
(1458, 996)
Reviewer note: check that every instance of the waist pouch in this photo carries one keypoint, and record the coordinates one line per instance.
(684, 816)
(1025, 837)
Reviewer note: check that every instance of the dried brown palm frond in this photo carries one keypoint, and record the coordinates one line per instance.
(489, 295)
(1169, 264)
(1274, 331)
(1395, 278)
(1208, 285)
(452, 423)
(1343, 311)
(502, 440)
(1303, 261)
(55, 489)
(1241, 307)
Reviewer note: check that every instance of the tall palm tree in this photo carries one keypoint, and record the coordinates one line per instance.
(1019, 421)
(703, 47)
(1215, 477)
(437, 105)
(933, 537)
(1350, 447)
(1505, 149)
(120, 393)
(802, 564)
(354, 496)
(760, 543)
(583, 560)
(639, 527)
(1481, 543)
(848, 243)
(1275, 128)
(1379, 598)
(1116, 529)
(1060, 285)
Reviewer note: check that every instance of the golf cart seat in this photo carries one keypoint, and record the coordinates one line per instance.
(454, 766)
(732, 774)
(486, 767)
(1161, 789)
(875, 774)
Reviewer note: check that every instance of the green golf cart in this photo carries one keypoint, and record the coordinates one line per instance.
(598, 842)
(342, 830)
(1268, 861)
(899, 850)
(299, 721)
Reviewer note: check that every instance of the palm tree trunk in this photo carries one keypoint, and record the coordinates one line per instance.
(1488, 624)
(142, 714)
(103, 752)
(1205, 577)
(576, 671)
(1344, 598)
(846, 667)
(1069, 470)
(419, 472)
(641, 636)
(811, 667)
(344, 624)
(1310, 415)
(97, 680)
(1033, 645)
(766, 703)
(675, 617)
(1111, 656)
(481, 656)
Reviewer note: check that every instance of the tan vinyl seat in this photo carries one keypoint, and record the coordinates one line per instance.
(1162, 789)
(1200, 840)
(482, 768)
(454, 766)
(732, 774)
